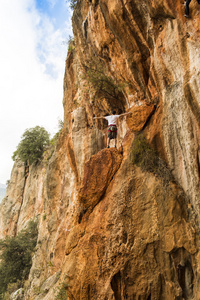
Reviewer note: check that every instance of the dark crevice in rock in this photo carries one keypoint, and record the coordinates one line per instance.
(183, 271)
(192, 102)
(72, 158)
(89, 290)
(89, 210)
(116, 285)
(82, 213)
(85, 28)
(149, 117)
(198, 163)
(124, 237)
(185, 278)
(149, 297)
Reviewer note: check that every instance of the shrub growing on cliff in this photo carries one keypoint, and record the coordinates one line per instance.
(16, 257)
(104, 85)
(61, 291)
(71, 44)
(148, 160)
(72, 3)
(32, 145)
(54, 139)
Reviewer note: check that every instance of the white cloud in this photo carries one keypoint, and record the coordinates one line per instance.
(32, 61)
(52, 3)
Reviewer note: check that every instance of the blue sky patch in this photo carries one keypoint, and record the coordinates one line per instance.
(56, 10)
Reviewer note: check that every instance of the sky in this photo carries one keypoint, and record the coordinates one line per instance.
(33, 50)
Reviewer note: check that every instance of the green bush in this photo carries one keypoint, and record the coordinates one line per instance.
(54, 139)
(61, 291)
(60, 124)
(103, 85)
(72, 3)
(16, 257)
(71, 44)
(148, 160)
(33, 143)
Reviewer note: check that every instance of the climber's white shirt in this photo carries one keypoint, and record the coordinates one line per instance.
(112, 120)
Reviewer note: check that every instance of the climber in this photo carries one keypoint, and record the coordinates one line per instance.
(187, 3)
(112, 126)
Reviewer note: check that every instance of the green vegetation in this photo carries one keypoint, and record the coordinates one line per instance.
(44, 217)
(72, 3)
(33, 143)
(16, 258)
(148, 160)
(54, 139)
(61, 291)
(11, 288)
(71, 44)
(52, 144)
(102, 84)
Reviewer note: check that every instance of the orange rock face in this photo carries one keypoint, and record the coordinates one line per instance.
(98, 173)
(139, 116)
(127, 249)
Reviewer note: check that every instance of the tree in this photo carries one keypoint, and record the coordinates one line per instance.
(16, 256)
(33, 143)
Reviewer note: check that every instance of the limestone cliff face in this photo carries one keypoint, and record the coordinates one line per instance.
(106, 228)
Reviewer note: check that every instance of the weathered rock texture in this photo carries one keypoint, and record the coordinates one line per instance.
(106, 228)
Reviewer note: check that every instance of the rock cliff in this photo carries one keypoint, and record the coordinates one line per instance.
(108, 229)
